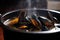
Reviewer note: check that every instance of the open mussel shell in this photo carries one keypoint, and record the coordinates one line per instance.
(46, 22)
(36, 26)
(40, 24)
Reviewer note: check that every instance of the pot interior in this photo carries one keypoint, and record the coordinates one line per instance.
(31, 22)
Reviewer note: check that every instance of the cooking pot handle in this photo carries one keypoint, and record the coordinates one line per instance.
(0, 19)
(0, 14)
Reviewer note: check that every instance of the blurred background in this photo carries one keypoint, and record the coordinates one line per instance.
(53, 4)
(9, 5)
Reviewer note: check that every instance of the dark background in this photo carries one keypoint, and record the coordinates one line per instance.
(9, 5)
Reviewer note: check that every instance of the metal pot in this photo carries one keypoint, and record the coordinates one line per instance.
(15, 13)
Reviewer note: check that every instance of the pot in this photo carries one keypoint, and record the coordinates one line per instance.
(15, 13)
